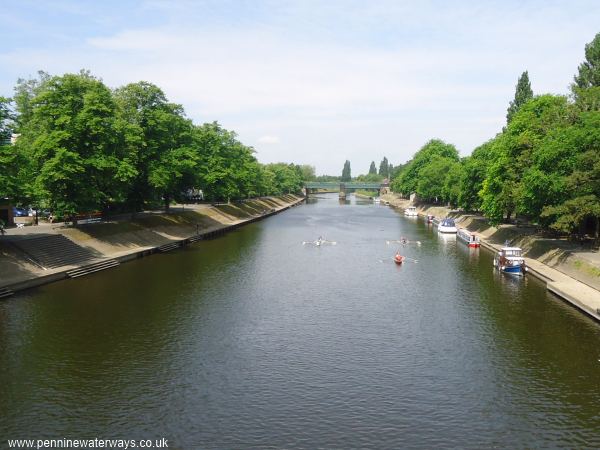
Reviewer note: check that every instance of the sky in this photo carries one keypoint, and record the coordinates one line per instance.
(313, 81)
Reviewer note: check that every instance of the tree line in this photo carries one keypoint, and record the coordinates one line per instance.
(543, 166)
(83, 147)
(386, 170)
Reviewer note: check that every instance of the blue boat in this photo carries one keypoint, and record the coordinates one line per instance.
(510, 260)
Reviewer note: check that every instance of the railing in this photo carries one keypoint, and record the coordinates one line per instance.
(338, 185)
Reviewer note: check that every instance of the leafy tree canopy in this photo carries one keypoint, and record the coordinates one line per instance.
(523, 94)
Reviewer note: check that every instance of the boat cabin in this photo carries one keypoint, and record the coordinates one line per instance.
(511, 252)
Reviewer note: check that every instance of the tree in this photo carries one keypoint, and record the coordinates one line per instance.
(516, 151)
(578, 177)
(372, 168)
(407, 179)
(71, 141)
(153, 127)
(588, 74)
(308, 172)
(286, 179)
(8, 157)
(384, 168)
(474, 171)
(370, 178)
(346, 172)
(25, 92)
(432, 177)
(523, 93)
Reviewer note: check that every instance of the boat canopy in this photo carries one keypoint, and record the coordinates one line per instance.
(511, 251)
(448, 222)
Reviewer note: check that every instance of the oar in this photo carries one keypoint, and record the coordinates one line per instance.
(403, 243)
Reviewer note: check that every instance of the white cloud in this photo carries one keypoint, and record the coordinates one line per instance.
(380, 81)
(268, 140)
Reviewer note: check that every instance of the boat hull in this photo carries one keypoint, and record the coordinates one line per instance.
(448, 230)
(512, 270)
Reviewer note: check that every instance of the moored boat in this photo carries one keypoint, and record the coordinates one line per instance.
(430, 218)
(471, 239)
(376, 200)
(411, 211)
(447, 226)
(510, 260)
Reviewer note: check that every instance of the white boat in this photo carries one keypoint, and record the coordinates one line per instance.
(376, 200)
(411, 211)
(468, 238)
(447, 226)
(510, 260)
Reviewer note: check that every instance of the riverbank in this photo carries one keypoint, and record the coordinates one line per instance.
(96, 246)
(570, 271)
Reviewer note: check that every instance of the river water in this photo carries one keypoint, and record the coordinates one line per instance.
(254, 340)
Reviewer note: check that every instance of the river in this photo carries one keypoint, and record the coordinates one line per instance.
(254, 340)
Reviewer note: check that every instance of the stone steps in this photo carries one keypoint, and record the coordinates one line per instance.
(51, 251)
(169, 247)
(5, 292)
(91, 268)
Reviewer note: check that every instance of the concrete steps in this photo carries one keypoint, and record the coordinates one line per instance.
(5, 292)
(169, 247)
(91, 268)
(51, 251)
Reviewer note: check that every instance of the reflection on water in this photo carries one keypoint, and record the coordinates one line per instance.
(254, 340)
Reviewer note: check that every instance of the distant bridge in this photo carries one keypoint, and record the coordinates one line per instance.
(343, 187)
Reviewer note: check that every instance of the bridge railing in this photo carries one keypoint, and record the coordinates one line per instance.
(339, 185)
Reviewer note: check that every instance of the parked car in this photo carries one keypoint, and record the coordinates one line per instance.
(19, 212)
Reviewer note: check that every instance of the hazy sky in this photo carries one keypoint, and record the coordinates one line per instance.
(314, 82)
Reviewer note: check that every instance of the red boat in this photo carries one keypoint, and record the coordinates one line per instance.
(398, 259)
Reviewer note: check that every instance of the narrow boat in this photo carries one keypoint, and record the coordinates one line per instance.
(510, 260)
(430, 218)
(411, 211)
(468, 238)
(398, 259)
(376, 200)
(447, 226)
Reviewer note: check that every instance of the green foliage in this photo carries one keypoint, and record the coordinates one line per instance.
(85, 148)
(69, 143)
(308, 172)
(370, 178)
(346, 172)
(523, 94)
(327, 178)
(154, 132)
(432, 183)
(474, 171)
(286, 178)
(372, 168)
(407, 179)
(25, 92)
(384, 168)
(9, 162)
(588, 74)
(544, 165)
